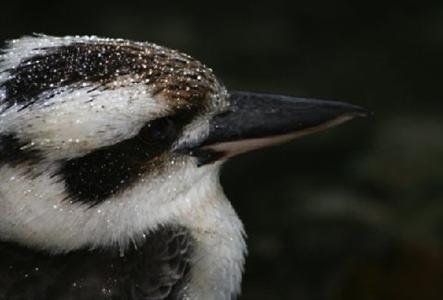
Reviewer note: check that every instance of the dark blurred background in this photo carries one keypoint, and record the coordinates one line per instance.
(352, 213)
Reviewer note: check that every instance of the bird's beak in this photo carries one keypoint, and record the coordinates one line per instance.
(254, 121)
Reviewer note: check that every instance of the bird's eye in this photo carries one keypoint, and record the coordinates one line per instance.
(162, 129)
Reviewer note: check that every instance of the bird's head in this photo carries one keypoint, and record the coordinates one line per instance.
(86, 120)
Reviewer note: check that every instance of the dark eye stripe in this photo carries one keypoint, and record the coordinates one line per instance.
(11, 151)
(107, 171)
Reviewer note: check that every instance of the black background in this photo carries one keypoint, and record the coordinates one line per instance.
(352, 213)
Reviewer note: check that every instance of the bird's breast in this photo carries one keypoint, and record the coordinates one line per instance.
(155, 268)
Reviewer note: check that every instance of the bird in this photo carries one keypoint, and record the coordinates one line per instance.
(110, 152)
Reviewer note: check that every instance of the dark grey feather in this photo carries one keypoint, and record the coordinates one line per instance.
(157, 269)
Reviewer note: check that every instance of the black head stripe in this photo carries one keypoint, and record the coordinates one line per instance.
(176, 75)
(14, 152)
(92, 178)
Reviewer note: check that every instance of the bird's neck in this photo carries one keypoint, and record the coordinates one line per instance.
(220, 247)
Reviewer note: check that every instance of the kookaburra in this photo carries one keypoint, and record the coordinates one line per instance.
(110, 153)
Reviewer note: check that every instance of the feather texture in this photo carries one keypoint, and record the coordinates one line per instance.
(154, 270)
